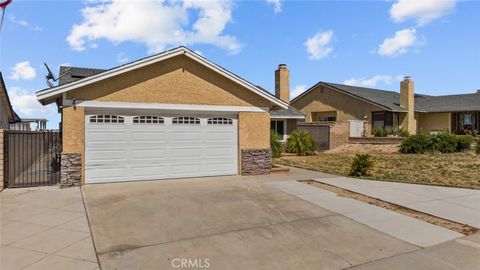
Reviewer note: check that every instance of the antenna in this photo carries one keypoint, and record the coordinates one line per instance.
(51, 76)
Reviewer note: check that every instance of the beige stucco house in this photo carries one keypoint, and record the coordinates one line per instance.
(171, 115)
(389, 109)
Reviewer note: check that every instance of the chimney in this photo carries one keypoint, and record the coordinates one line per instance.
(282, 83)
(407, 101)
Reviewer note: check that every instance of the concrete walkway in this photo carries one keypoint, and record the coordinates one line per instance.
(45, 228)
(462, 253)
(455, 204)
(406, 228)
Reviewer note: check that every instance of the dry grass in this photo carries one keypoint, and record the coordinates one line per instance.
(456, 170)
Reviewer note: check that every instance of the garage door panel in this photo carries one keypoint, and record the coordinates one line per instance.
(133, 151)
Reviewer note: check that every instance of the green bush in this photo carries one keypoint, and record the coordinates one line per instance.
(301, 143)
(403, 133)
(477, 148)
(464, 143)
(419, 143)
(445, 142)
(380, 132)
(275, 144)
(361, 165)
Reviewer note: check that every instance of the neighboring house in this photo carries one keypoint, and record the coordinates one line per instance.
(171, 115)
(391, 110)
(25, 124)
(7, 114)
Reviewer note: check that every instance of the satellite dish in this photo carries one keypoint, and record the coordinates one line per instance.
(50, 84)
(51, 76)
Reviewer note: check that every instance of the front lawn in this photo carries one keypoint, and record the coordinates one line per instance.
(456, 169)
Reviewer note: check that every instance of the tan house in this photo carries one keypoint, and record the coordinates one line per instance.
(8, 116)
(171, 115)
(389, 109)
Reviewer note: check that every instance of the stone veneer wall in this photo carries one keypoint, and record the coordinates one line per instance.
(256, 161)
(71, 170)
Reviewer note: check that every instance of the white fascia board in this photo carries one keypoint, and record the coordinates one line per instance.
(168, 107)
(157, 58)
(279, 117)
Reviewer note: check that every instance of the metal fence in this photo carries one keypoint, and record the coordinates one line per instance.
(32, 158)
(320, 133)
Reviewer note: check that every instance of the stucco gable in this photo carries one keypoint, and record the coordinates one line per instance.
(47, 96)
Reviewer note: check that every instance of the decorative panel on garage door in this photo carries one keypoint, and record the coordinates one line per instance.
(148, 147)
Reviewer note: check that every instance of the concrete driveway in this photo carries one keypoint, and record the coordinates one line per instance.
(225, 223)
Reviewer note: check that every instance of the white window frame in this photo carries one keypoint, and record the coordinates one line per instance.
(285, 135)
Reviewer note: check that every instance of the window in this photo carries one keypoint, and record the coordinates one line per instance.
(219, 121)
(327, 118)
(467, 119)
(278, 126)
(383, 120)
(324, 116)
(186, 120)
(107, 119)
(148, 120)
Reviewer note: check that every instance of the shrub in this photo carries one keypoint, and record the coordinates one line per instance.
(403, 133)
(301, 143)
(420, 143)
(276, 145)
(464, 143)
(380, 132)
(445, 142)
(361, 165)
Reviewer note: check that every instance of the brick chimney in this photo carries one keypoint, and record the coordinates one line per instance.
(282, 83)
(407, 101)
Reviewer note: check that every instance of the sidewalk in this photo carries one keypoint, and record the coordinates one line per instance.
(45, 228)
(455, 204)
(402, 227)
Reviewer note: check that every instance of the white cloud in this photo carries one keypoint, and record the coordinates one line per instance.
(24, 23)
(25, 103)
(122, 58)
(157, 24)
(399, 43)
(23, 71)
(373, 81)
(277, 5)
(318, 46)
(422, 11)
(298, 90)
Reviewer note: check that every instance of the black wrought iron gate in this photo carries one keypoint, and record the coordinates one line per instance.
(32, 158)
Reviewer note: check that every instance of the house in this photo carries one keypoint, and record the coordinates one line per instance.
(171, 115)
(7, 114)
(389, 109)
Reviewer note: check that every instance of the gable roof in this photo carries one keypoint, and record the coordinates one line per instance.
(390, 100)
(450, 103)
(13, 117)
(45, 96)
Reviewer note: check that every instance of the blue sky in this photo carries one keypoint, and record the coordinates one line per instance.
(366, 43)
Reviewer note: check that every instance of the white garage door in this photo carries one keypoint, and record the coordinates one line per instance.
(122, 147)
